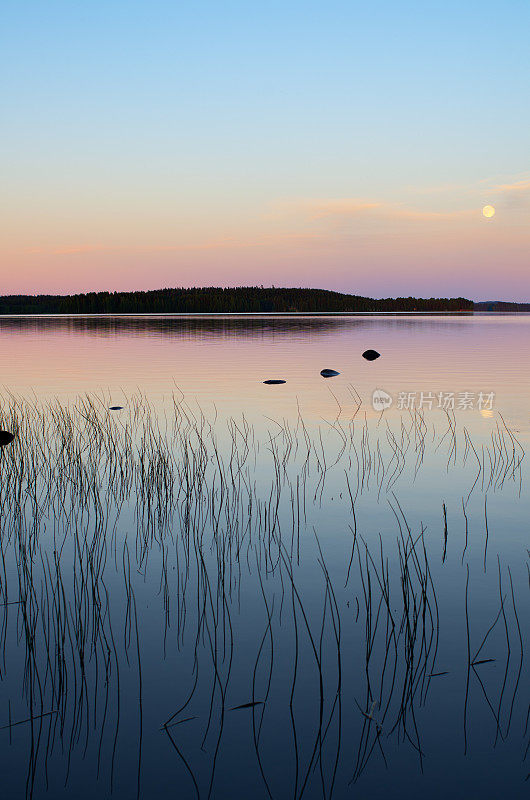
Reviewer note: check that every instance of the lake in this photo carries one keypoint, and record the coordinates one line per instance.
(224, 588)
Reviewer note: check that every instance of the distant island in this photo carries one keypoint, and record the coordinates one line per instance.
(242, 299)
(500, 305)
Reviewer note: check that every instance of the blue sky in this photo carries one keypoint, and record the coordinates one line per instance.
(133, 126)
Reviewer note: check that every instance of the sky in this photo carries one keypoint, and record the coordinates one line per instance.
(340, 145)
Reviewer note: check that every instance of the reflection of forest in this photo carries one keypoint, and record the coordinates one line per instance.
(217, 300)
(232, 326)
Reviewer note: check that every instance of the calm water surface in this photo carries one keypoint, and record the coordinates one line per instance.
(228, 589)
(222, 360)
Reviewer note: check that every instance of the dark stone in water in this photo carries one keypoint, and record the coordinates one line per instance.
(329, 373)
(115, 408)
(272, 381)
(371, 355)
(6, 438)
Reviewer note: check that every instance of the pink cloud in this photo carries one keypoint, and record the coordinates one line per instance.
(517, 186)
(319, 208)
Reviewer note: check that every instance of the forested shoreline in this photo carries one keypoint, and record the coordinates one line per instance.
(220, 300)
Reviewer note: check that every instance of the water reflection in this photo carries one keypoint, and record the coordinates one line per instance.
(219, 325)
(187, 602)
(224, 360)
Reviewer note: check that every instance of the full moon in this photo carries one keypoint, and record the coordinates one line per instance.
(488, 211)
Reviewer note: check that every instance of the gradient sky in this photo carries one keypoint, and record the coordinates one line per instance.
(342, 145)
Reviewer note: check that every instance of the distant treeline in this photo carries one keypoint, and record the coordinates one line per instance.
(242, 299)
(501, 305)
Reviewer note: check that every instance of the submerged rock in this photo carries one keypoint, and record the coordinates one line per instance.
(115, 408)
(329, 373)
(371, 355)
(6, 437)
(273, 381)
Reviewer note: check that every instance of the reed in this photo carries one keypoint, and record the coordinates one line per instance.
(264, 606)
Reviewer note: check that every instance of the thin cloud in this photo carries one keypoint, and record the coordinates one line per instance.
(457, 189)
(349, 207)
(225, 243)
(341, 208)
(517, 186)
(515, 195)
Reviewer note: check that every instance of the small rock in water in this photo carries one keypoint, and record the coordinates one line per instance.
(273, 381)
(6, 437)
(329, 373)
(371, 355)
(115, 408)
